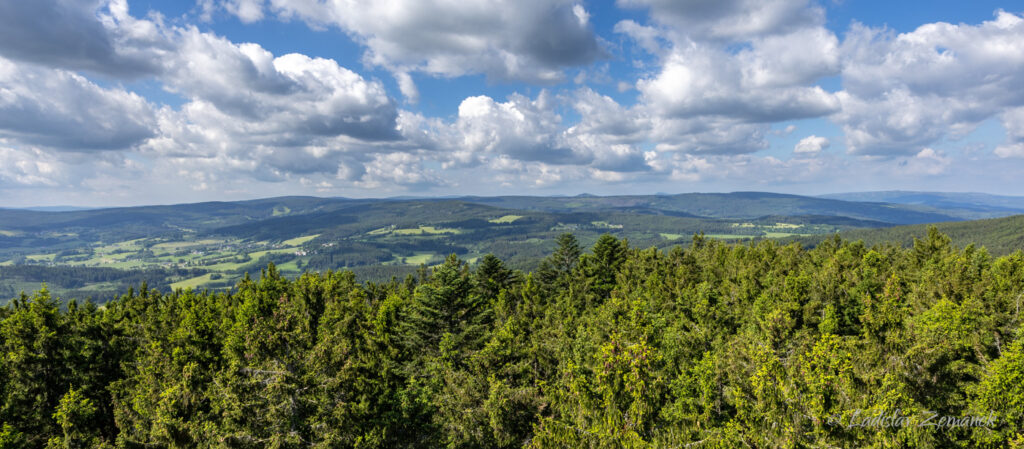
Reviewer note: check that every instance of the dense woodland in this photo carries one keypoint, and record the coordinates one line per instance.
(716, 346)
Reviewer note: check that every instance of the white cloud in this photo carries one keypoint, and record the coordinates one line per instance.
(797, 58)
(707, 135)
(926, 162)
(523, 40)
(1010, 150)
(248, 11)
(713, 79)
(96, 36)
(784, 131)
(1013, 122)
(31, 167)
(811, 145)
(601, 115)
(63, 110)
(521, 128)
(904, 91)
(708, 97)
(291, 97)
(408, 87)
(398, 169)
(698, 81)
(731, 20)
(274, 118)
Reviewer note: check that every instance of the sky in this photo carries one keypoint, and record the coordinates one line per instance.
(130, 102)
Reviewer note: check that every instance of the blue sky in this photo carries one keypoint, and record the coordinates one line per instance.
(122, 102)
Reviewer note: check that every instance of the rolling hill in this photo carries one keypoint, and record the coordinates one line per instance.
(213, 244)
(964, 205)
(1000, 236)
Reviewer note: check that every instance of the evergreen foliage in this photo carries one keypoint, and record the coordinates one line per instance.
(719, 346)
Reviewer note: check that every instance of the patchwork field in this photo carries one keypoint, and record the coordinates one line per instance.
(191, 247)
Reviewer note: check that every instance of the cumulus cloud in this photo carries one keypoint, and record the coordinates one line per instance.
(246, 110)
(699, 81)
(273, 118)
(713, 78)
(1013, 122)
(521, 128)
(291, 97)
(603, 116)
(530, 40)
(904, 91)
(606, 124)
(796, 58)
(726, 70)
(97, 36)
(399, 169)
(1010, 150)
(248, 11)
(530, 130)
(408, 87)
(707, 135)
(811, 145)
(65, 111)
(30, 167)
(926, 162)
(731, 20)
(32, 170)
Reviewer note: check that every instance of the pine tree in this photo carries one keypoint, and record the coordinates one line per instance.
(601, 267)
(492, 277)
(555, 272)
(446, 309)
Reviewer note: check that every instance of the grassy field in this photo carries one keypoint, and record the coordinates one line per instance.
(505, 219)
(193, 282)
(419, 259)
(298, 241)
(382, 231)
(256, 255)
(173, 247)
(729, 236)
(423, 230)
(290, 267)
(41, 257)
(779, 235)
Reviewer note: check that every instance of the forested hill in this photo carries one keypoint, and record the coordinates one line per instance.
(212, 245)
(731, 205)
(1000, 236)
(717, 346)
(976, 205)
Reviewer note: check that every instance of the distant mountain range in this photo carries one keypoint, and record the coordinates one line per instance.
(213, 244)
(45, 226)
(53, 208)
(966, 205)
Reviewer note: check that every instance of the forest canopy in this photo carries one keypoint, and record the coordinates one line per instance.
(758, 345)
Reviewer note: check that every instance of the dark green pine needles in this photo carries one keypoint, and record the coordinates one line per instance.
(713, 346)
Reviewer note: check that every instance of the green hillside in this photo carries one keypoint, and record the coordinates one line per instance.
(213, 245)
(1000, 236)
(729, 205)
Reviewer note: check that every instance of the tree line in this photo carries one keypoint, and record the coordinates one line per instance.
(716, 346)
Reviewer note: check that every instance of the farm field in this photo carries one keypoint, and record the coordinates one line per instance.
(386, 238)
